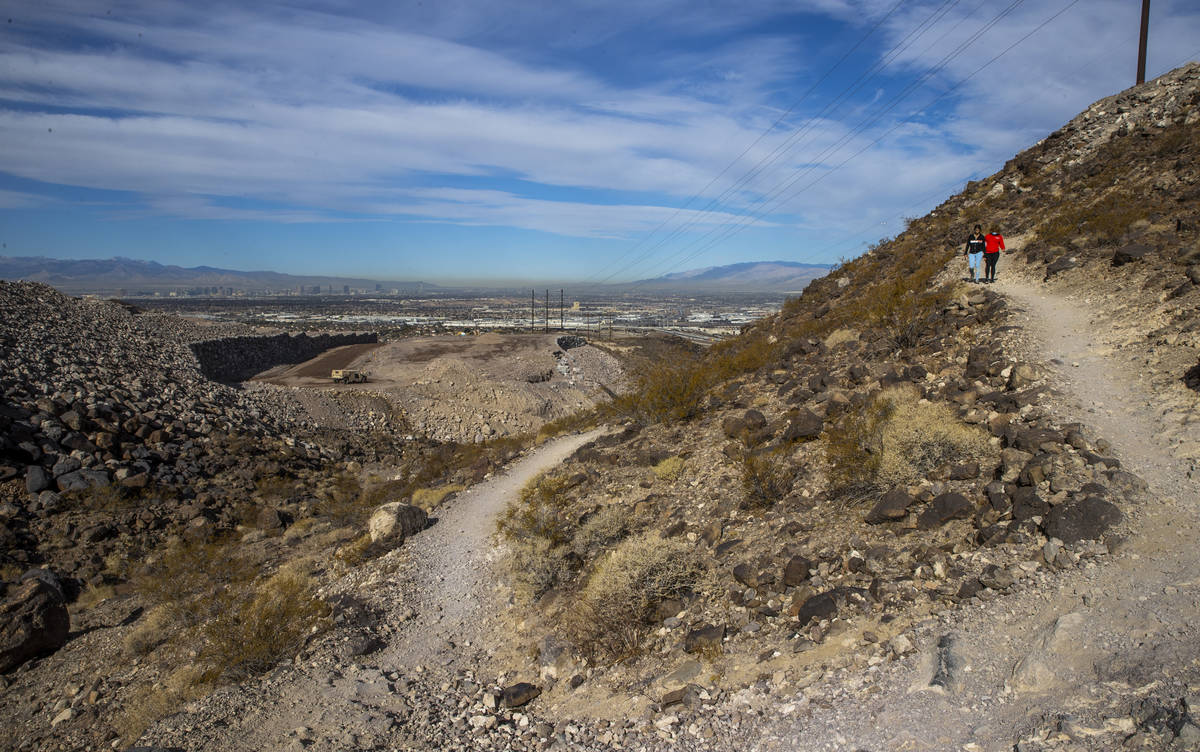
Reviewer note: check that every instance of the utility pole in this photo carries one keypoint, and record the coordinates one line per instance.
(1141, 68)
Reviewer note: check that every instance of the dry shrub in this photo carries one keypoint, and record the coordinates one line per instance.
(151, 630)
(896, 439)
(185, 574)
(258, 626)
(149, 703)
(766, 478)
(670, 469)
(905, 307)
(275, 487)
(617, 603)
(840, 337)
(740, 355)
(1103, 222)
(431, 498)
(537, 567)
(666, 392)
(607, 526)
(572, 423)
(356, 551)
(539, 512)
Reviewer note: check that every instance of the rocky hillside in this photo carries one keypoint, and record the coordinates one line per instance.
(807, 495)
(772, 531)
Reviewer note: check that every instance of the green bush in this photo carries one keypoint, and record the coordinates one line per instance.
(539, 512)
(670, 469)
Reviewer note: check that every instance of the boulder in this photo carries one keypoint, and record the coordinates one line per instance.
(36, 479)
(1081, 519)
(395, 521)
(1129, 253)
(795, 572)
(893, 506)
(802, 425)
(521, 693)
(943, 508)
(820, 606)
(1060, 264)
(33, 622)
(703, 637)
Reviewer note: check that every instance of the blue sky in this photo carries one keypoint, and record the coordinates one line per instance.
(567, 141)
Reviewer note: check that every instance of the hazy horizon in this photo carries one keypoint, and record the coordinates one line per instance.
(563, 140)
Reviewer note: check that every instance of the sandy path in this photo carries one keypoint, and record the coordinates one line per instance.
(1126, 627)
(446, 575)
(453, 564)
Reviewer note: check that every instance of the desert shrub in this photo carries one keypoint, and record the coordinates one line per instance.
(184, 574)
(616, 605)
(151, 702)
(539, 512)
(258, 626)
(572, 423)
(150, 631)
(537, 567)
(1103, 221)
(840, 337)
(741, 355)
(431, 498)
(904, 307)
(667, 392)
(275, 486)
(896, 439)
(604, 528)
(356, 551)
(670, 469)
(766, 478)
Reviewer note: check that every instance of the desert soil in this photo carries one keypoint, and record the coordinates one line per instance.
(466, 388)
(1068, 659)
(1064, 661)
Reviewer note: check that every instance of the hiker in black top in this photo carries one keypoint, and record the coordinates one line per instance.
(974, 251)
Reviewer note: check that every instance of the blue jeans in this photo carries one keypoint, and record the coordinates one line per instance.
(973, 261)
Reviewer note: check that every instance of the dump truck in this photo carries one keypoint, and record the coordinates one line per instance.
(348, 376)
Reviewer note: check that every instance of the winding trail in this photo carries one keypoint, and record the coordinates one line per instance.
(1064, 645)
(452, 562)
(440, 599)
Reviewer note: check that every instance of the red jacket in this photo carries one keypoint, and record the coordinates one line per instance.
(994, 242)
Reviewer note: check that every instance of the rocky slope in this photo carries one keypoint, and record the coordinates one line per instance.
(888, 517)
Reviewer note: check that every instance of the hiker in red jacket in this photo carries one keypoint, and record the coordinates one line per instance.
(993, 243)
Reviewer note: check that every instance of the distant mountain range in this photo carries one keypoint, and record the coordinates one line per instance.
(122, 276)
(749, 276)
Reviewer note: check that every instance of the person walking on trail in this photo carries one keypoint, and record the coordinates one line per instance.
(974, 251)
(993, 244)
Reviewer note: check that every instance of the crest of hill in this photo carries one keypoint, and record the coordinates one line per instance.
(1121, 179)
(106, 276)
(749, 275)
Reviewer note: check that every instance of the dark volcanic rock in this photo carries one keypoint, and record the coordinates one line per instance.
(1129, 253)
(519, 694)
(795, 572)
(703, 637)
(943, 508)
(893, 506)
(1082, 519)
(33, 622)
(803, 424)
(820, 606)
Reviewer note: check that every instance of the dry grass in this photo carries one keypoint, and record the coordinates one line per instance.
(258, 626)
(1103, 222)
(430, 499)
(540, 512)
(766, 478)
(670, 469)
(896, 439)
(616, 605)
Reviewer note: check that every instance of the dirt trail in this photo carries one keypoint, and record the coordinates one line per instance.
(1060, 660)
(440, 598)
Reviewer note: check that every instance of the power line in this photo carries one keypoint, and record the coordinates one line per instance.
(734, 228)
(792, 139)
(747, 216)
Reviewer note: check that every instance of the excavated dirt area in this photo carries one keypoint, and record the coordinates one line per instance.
(467, 388)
